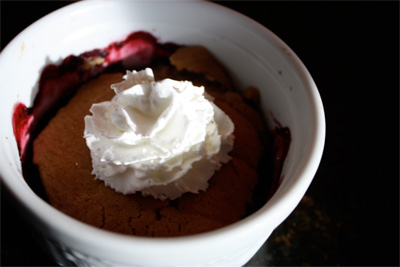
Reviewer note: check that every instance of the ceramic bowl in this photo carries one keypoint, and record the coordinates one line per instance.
(253, 55)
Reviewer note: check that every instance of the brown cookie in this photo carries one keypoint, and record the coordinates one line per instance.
(198, 59)
(65, 166)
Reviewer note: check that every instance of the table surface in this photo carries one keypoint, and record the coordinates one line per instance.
(350, 213)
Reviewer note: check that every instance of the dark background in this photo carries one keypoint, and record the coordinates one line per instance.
(350, 214)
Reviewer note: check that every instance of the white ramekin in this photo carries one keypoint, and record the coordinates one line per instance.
(253, 55)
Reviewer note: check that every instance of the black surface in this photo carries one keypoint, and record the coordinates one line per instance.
(350, 214)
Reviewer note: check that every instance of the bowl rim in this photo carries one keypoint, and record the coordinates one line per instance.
(287, 199)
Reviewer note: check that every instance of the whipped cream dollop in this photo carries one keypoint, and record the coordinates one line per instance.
(162, 138)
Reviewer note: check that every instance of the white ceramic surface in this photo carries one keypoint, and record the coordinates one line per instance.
(253, 55)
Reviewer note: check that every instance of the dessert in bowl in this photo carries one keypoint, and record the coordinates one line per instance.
(252, 55)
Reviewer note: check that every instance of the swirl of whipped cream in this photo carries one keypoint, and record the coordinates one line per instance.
(161, 138)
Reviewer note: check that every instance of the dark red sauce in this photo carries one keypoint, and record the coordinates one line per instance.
(280, 148)
(58, 83)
